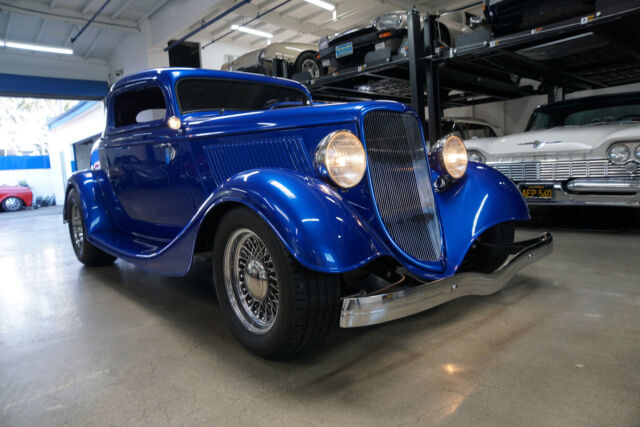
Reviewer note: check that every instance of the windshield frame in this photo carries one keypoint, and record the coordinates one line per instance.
(176, 89)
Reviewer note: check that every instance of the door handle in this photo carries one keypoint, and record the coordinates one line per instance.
(164, 145)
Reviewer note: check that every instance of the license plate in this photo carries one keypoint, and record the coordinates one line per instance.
(537, 192)
(344, 50)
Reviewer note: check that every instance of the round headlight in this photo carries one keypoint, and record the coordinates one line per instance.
(452, 155)
(637, 152)
(619, 153)
(389, 21)
(475, 156)
(340, 156)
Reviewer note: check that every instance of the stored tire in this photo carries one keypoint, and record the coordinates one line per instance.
(86, 253)
(484, 260)
(307, 62)
(12, 204)
(274, 306)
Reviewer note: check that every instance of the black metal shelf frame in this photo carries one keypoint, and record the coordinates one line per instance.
(588, 52)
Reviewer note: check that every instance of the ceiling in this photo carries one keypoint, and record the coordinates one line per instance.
(55, 22)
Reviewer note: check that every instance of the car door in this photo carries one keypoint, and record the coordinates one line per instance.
(145, 163)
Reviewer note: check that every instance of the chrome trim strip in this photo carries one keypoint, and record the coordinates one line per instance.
(619, 185)
(375, 309)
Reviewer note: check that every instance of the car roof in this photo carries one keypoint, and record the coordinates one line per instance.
(171, 75)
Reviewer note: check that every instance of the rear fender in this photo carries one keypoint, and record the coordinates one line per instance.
(94, 212)
(484, 198)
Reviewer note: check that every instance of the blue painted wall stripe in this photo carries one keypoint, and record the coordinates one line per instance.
(50, 87)
(24, 162)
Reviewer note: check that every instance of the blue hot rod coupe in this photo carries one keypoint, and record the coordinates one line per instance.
(310, 212)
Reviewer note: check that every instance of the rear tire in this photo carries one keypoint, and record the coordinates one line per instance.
(307, 62)
(274, 306)
(86, 253)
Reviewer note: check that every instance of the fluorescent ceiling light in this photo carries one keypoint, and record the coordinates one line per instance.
(252, 31)
(322, 4)
(36, 47)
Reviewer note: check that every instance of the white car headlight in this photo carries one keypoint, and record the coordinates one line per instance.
(476, 156)
(452, 156)
(619, 153)
(340, 156)
(637, 152)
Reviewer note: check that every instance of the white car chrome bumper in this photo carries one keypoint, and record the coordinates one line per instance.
(593, 191)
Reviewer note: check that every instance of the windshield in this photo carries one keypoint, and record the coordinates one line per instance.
(580, 113)
(208, 94)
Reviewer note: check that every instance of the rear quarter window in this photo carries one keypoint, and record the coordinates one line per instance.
(139, 106)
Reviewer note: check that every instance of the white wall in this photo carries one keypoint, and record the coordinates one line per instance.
(60, 66)
(40, 181)
(91, 122)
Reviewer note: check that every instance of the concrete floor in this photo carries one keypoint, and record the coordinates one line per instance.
(118, 345)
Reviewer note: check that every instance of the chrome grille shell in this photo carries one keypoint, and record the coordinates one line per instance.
(399, 175)
(561, 170)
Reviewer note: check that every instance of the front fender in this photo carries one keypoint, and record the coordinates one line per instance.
(316, 225)
(483, 199)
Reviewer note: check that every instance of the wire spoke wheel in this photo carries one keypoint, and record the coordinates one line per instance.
(250, 281)
(77, 233)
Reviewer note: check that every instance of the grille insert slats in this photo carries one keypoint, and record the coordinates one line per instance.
(561, 170)
(401, 184)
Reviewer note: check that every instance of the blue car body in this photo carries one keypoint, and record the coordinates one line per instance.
(161, 209)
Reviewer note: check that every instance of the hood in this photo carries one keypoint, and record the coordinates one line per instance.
(591, 140)
(284, 118)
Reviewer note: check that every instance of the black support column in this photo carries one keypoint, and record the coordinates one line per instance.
(416, 67)
(432, 79)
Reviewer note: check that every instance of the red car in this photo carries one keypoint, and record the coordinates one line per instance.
(15, 198)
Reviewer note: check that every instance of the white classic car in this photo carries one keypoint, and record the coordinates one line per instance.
(580, 151)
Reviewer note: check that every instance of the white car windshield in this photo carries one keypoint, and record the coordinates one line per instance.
(580, 112)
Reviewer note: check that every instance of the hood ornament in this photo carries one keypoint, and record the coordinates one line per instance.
(539, 144)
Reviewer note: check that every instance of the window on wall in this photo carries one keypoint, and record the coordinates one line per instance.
(184, 54)
(139, 106)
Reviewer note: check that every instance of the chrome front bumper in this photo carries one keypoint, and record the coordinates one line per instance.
(593, 191)
(374, 309)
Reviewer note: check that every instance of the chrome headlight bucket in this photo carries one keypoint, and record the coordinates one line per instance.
(476, 156)
(340, 158)
(618, 154)
(390, 21)
(451, 157)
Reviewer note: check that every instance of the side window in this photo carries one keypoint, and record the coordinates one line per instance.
(139, 106)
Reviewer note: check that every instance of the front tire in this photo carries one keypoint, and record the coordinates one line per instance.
(86, 253)
(12, 204)
(274, 306)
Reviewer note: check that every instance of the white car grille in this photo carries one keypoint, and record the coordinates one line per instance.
(560, 170)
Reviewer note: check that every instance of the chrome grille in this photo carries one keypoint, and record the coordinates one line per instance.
(560, 171)
(401, 184)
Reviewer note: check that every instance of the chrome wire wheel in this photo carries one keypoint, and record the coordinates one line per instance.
(250, 281)
(311, 67)
(76, 227)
